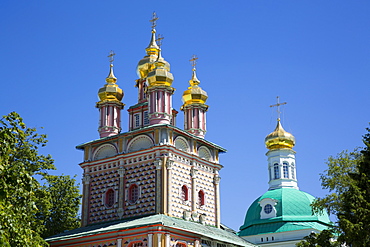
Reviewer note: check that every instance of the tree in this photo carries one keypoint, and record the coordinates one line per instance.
(326, 238)
(348, 180)
(22, 198)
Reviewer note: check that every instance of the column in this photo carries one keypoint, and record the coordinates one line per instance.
(85, 199)
(150, 240)
(169, 185)
(159, 239)
(168, 240)
(121, 190)
(158, 194)
(193, 173)
(216, 182)
(119, 242)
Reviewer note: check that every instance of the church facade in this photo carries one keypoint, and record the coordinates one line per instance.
(157, 185)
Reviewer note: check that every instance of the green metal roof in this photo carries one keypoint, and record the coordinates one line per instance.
(293, 212)
(166, 221)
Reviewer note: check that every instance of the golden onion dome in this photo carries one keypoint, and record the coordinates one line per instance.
(110, 91)
(146, 64)
(160, 75)
(194, 94)
(279, 138)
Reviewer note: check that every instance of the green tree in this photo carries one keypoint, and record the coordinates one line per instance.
(22, 199)
(324, 239)
(348, 181)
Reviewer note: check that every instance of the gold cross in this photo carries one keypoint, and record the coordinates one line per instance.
(159, 40)
(154, 20)
(193, 60)
(278, 104)
(111, 56)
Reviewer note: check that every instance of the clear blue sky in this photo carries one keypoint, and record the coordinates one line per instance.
(314, 54)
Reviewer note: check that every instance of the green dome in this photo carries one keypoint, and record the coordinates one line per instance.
(293, 212)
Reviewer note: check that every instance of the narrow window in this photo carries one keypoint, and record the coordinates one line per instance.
(285, 170)
(184, 193)
(109, 198)
(292, 168)
(276, 171)
(201, 198)
(272, 238)
(133, 193)
(137, 120)
(267, 238)
(261, 239)
(146, 118)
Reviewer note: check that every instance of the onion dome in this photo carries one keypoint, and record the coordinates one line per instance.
(160, 75)
(110, 91)
(279, 138)
(194, 94)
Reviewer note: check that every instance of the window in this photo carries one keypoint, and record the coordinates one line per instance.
(201, 198)
(285, 170)
(136, 244)
(133, 193)
(268, 208)
(276, 171)
(146, 118)
(184, 193)
(292, 171)
(109, 198)
(137, 120)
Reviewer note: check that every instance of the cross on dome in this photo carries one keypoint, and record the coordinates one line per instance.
(193, 61)
(111, 56)
(159, 40)
(154, 20)
(278, 104)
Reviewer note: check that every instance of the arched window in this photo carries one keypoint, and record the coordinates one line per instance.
(133, 193)
(276, 171)
(201, 198)
(292, 169)
(184, 193)
(285, 170)
(109, 198)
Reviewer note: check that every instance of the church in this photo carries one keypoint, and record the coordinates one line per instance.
(157, 185)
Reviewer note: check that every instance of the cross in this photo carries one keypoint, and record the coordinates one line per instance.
(193, 61)
(278, 104)
(159, 40)
(154, 20)
(111, 56)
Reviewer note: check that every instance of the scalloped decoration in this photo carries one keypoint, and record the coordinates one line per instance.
(105, 151)
(139, 143)
(204, 153)
(182, 144)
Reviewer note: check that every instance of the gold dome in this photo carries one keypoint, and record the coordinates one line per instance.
(279, 138)
(160, 75)
(194, 94)
(110, 91)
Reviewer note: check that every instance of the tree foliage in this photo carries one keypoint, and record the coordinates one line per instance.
(22, 198)
(348, 181)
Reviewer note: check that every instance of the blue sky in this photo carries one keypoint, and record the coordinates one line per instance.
(315, 55)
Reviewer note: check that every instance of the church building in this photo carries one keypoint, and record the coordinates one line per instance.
(157, 185)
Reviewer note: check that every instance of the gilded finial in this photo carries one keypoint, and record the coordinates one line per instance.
(154, 20)
(278, 104)
(111, 78)
(194, 80)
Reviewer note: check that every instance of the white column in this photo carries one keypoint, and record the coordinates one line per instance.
(150, 240)
(168, 239)
(159, 238)
(119, 242)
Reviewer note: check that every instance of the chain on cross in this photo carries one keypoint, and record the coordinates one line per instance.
(154, 20)
(193, 61)
(278, 104)
(111, 56)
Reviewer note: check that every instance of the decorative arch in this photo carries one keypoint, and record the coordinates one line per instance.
(133, 193)
(105, 151)
(204, 153)
(109, 198)
(182, 144)
(184, 193)
(139, 143)
(201, 198)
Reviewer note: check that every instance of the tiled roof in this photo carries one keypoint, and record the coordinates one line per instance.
(188, 226)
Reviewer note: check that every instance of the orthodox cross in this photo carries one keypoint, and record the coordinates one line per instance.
(193, 61)
(278, 104)
(111, 56)
(154, 20)
(159, 40)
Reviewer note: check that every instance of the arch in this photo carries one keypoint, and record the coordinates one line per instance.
(204, 153)
(133, 193)
(285, 170)
(184, 193)
(109, 198)
(201, 198)
(140, 142)
(182, 144)
(105, 151)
